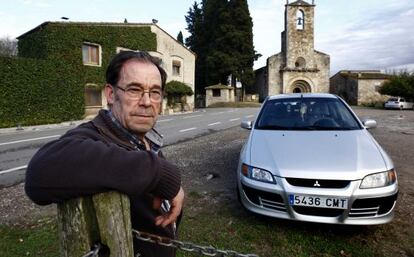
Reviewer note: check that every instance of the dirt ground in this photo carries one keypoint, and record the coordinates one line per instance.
(209, 165)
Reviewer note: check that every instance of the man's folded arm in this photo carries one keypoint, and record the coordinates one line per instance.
(73, 167)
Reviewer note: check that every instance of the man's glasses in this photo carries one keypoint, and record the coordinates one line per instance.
(136, 93)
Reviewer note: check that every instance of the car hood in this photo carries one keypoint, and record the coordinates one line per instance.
(349, 155)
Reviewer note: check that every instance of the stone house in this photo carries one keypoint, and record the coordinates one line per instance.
(298, 68)
(358, 87)
(219, 93)
(87, 47)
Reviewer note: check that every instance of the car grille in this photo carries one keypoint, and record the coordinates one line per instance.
(371, 207)
(265, 199)
(323, 212)
(323, 183)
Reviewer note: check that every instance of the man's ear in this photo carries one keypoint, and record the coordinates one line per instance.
(109, 94)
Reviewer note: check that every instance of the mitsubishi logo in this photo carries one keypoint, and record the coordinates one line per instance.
(316, 184)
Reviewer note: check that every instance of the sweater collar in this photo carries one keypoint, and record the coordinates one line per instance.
(154, 138)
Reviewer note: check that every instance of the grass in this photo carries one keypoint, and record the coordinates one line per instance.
(229, 227)
(29, 240)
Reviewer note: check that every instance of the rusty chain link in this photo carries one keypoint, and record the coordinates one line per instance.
(187, 246)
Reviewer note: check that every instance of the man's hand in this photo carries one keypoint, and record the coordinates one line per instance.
(175, 210)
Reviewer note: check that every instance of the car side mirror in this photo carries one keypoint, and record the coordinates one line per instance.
(369, 124)
(246, 124)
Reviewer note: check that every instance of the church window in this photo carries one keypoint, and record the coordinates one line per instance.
(300, 20)
(300, 63)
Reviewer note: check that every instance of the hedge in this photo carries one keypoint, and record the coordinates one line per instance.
(46, 84)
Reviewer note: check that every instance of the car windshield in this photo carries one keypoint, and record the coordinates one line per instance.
(300, 113)
(393, 100)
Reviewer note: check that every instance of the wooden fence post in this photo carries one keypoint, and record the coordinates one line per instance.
(103, 218)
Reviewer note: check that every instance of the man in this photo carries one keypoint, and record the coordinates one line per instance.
(118, 150)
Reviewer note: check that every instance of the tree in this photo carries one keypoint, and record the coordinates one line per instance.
(241, 40)
(221, 36)
(401, 84)
(8, 47)
(197, 44)
(180, 37)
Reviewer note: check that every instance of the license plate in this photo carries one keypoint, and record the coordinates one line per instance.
(318, 201)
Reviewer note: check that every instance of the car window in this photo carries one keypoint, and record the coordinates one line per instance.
(306, 114)
(402, 100)
(393, 99)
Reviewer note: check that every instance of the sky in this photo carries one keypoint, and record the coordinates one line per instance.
(357, 34)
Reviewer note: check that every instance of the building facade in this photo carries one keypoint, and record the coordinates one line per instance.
(298, 68)
(87, 47)
(359, 87)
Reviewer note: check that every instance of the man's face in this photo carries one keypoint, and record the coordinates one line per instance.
(138, 116)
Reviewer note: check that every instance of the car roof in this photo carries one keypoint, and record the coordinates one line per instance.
(304, 95)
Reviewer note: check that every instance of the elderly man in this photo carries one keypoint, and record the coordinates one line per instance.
(118, 150)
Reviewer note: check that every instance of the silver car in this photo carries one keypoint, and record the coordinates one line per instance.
(310, 158)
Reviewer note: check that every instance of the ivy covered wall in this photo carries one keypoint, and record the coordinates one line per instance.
(46, 84)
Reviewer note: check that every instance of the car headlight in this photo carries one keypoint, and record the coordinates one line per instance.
(257, 174)
(381, 179)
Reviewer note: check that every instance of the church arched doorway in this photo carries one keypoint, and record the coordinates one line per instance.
(300, 86)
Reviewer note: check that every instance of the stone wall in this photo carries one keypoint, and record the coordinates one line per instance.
(274, 82)
(367, 91)
(170, 50)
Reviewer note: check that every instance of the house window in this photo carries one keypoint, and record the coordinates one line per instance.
(91, 54)
(216, 92)
(93, 96)
(176, 68)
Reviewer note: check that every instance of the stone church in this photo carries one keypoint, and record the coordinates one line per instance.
(298, 68)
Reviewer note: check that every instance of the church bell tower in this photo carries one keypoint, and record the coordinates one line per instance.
(298, 37)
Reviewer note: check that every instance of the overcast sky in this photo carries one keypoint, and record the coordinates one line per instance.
(357, 34)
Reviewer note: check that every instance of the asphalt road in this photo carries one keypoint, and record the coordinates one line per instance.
(18, 147)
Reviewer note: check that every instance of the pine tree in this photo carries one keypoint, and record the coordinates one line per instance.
(241, 41)
(221, 36)
(197, 44)
(216, 28)
(180, 37)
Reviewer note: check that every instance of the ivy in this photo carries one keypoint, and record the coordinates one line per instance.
(46, 84)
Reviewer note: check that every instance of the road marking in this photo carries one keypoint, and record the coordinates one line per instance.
(27, 140)
(215, 123)
(192, 116)
(216, 113)
(184, 130)
(234, 119)
(13, 169)
(165, 120)
(249, 116)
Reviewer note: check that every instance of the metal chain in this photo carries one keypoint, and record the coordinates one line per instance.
(187, 246)
(94, 252)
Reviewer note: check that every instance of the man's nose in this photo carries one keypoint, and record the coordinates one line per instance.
(145, 99)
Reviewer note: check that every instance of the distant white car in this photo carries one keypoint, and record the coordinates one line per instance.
(398, 103)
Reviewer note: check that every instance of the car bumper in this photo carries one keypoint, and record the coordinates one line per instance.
(392, 106)
(365, 206)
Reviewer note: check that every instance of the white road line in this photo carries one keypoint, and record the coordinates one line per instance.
(164, 120)
(184, 130)
(249, 116)
(215, 123)
(27, 140)
(216, 113)
(234, 119)
(13, 169)
(192, 116)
